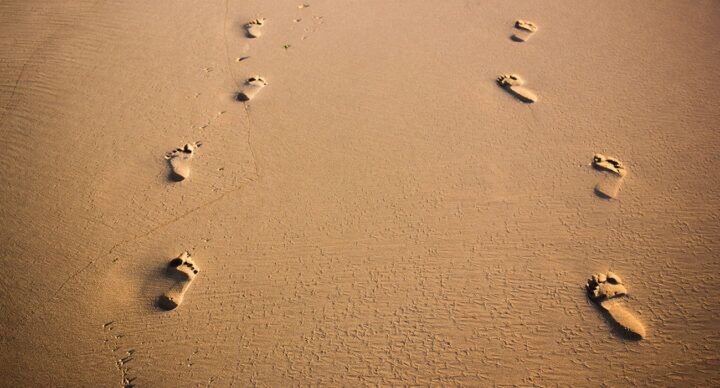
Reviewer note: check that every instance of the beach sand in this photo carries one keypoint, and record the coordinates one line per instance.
(379, 212)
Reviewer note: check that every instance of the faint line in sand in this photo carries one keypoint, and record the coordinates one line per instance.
(146, 234)
(193, 210)
(9, 107)
(237, 85)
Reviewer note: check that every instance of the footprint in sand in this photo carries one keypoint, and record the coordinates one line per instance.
(513, 83)
(184, 271)
(610, 185)
(179, 160)
(253, 29)
(524, 30)
(605, 290)
(252, 86)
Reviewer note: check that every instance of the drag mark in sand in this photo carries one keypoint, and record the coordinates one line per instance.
(10, 107)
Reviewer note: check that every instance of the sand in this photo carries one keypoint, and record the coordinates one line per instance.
(381, 213)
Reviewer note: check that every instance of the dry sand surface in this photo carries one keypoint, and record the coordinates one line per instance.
(368, 206)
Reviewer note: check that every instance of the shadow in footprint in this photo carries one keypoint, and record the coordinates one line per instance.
(616, 328)
(169, 271)
(174, 177)
(241, 97)
(602, 195)
(163, 304)
(182, 270)
(157, 282)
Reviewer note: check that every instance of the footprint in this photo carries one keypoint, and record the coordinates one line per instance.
(184, 270)
(525, 30)
(252, 86)
(179, 160)
(605, 290)
(253, 28)
(610, 185)
(513, 83)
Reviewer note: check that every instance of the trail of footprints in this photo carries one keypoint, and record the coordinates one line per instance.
(180, 158)
(513, 83)
(122, 358)
(605, 290)
(183, 269)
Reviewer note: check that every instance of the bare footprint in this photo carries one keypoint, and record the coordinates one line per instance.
(252, 86)
(179, 160)
(606, 290)
(513, 83)
(184, 271)
(253, 29)
(609, 186)
(524, 30)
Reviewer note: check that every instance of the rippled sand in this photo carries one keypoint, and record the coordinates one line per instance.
(380, 213)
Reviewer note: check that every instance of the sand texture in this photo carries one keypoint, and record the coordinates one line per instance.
(369, 207)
